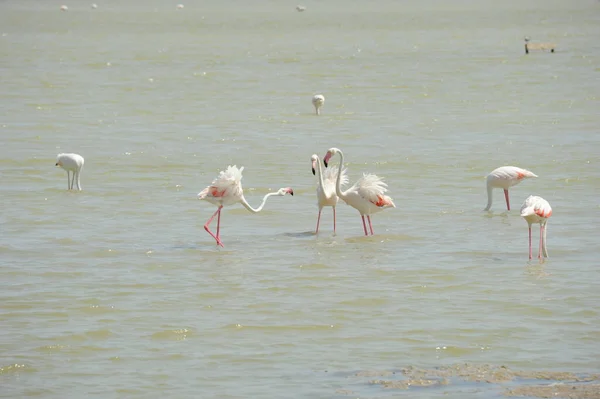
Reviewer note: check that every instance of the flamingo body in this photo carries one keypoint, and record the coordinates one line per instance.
(537, 210)
(505, 177)
(72, 163)
(225, 190)
(326, 195)
(318, 100)
(367, 195)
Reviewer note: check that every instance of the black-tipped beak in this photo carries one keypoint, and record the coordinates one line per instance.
(325, 162)
(56, 164)
(291, 192)
(314, 173)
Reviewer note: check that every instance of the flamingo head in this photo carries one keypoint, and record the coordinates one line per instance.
(330, 153)
(314, 159)
(285, 190)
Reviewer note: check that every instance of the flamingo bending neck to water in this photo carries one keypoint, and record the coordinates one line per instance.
(505, 177)
(226, 189)
(326, 195)
(318, 100)
(537, 210)
(367, 195)
(72, 163)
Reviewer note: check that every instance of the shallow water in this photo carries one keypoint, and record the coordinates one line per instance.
(117, 291)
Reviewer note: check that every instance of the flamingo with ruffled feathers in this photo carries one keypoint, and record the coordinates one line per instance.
(505, 177)
(226, 189)
(367, 195)
(537, 210)
(326, 195)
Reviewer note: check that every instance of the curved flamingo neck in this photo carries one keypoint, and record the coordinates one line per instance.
(321, 182)
(338, 182)
(264, 201)
(490, 197)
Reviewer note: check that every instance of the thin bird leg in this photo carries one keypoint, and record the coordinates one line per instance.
(541, 241)
(208, 223)
(219, 226)
(364, 224)
(68, 181)
(529, 241)
(370, 225)
(72, 180)
(334, 220)
(318, 221)
(507, 201)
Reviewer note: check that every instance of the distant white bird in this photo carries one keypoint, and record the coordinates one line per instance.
(537, 210)
(71, 163)
(94, 6)
(367, 195)
(226, 189)
(326, 195)
(505, 177)
(318, 100)
(180, 6)
(300, 8)
(64, 8)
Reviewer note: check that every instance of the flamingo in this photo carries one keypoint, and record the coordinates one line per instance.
(326, 195)
(71, 163)
(226, 189)
(505, 177)
(318, 100)
(366, 195)
(537, 210)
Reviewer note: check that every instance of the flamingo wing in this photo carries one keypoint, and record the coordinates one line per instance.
(228, 183)
(372, 188)
(535, 205)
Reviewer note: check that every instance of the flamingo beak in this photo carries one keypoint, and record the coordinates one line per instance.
(291, 192)
(327, 158)
(313, 167)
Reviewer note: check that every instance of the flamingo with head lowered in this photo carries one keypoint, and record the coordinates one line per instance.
(537, 210)
(226, 189)
(505, 177)
(318, 100)
(326, 195)
(367, 195)
(72, 163)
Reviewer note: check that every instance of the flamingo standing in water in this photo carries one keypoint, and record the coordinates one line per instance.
(367, 195)
(226, 189)
(505, 177)
(71, 163)
(318, 100)
(537, 210)
(326, 195)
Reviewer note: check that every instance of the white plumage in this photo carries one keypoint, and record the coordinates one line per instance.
(505, 177)
(326, 195)
(72, 163)
(318, 100)
(537, 210)
(367, 195)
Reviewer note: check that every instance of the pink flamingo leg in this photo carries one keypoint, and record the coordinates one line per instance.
(334, 220)
(540, 250)
(318, 221)
(219, 226)
(507, 201)
(370, 225)
(529, 241)
(364, 224)
(216, 237)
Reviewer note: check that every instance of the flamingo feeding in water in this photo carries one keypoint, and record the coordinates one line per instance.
(505, 177)
(72, 163)
(226, 189)
(318, 100)
(367, 195)
(326, 195)
(537, 210)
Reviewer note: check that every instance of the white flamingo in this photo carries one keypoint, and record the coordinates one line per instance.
(537, 210)
(367, 195)
(505, 177)
(326, 195)
(318, 100)
(226, 189)
(71, 163)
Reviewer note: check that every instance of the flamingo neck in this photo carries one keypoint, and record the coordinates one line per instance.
(338, 182)
(490, 196)
(320, 171)
(264, 201)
